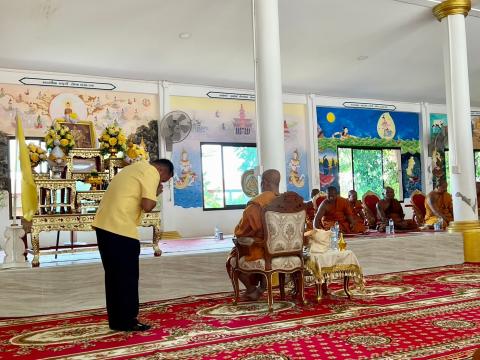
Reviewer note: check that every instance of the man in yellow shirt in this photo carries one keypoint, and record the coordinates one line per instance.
(132, 191)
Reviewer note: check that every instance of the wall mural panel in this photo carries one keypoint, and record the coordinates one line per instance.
(39, 105)
(367, 128)
(231, 121)
(439, 142)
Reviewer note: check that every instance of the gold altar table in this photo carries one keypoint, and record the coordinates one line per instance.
(80, 222)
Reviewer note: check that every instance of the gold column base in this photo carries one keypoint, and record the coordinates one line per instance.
(471, 238)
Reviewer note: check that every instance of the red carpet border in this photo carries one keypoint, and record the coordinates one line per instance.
(421, 314)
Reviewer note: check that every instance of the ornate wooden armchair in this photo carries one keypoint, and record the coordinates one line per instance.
(284, 223)
(312, 207)
(417, 202)
(369, 204)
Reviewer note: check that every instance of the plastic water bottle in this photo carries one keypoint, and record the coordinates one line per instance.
(217, 233)
(391, 225)
(438, 225)
(334, 239)
(337, 229)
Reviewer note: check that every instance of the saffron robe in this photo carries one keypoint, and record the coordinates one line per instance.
(444, 205)
(339, 211)
(394, 211)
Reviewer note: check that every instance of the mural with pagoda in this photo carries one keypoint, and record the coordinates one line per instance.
(225, 121)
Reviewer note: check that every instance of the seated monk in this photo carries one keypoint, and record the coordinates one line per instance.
(439, 205)
(335, 208)
(390, 208)
(249, 233)
(357, 209)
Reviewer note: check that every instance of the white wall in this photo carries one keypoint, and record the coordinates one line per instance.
(196, 222)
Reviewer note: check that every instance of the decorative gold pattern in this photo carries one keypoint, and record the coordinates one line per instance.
(63, 334)
(473, 278)
(47, 187)
(93, 196)
(264, 357)
(451, 7)
(376, 291)
(82, 222)
(244, 309)
(112, 165)
(369, 340)
(454, 324)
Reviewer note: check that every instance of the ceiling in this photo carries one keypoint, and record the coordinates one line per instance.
(322, 44)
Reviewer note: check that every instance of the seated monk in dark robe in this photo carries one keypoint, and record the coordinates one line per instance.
(357, 209)
(439, 205)
(250, 235)
(336, 209)
(390, 208)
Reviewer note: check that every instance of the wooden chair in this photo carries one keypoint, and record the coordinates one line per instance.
(312, 207)
(369, 204)
(417, 202)
(284, 223)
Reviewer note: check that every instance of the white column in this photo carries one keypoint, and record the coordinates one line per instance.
(462, 171)
(268, 87)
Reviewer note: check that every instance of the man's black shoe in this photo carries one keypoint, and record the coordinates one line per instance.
(136, 327)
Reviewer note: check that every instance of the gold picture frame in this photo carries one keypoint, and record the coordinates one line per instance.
(83, 132)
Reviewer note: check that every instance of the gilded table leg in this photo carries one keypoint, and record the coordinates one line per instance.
(318, 287)
(157, 235)
(345, 286)
(36, 248)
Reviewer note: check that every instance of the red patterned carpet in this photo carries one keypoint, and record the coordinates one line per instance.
(422, 314)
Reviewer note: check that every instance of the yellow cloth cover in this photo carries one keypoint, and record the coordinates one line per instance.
(319, 240)
(29, 190)
(120, 210)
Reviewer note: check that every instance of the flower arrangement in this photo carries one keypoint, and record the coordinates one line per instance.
(135, 152)
(112, 140)
(36, 154)
(59, 135)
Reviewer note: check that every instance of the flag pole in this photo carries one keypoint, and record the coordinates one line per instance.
(14, 200)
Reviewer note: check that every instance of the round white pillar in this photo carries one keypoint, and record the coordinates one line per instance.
(268, 88)
(462, 171)
(460, 145)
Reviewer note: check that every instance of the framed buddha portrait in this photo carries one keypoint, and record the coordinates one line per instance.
(83, 132)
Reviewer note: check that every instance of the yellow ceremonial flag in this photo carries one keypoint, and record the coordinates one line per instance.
(29, 190)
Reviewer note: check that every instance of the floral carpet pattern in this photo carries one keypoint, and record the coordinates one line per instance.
(422, 314)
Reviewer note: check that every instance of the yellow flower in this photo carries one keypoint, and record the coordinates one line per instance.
(112, 141)
(62, 132)
(49, 142)
(34, 157)
(121, 141)
(69, 136)
(72, 143)
(122, 137)
(64, 142)
(39, 150)
(105, 137)
(112, 132)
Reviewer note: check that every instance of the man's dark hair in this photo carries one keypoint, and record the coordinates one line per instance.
(330, 188)
(165, 163)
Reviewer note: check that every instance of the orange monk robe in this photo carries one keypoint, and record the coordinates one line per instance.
(395, 212)
(251, 225)
(339, 211)
(444, 205)
(357, 211)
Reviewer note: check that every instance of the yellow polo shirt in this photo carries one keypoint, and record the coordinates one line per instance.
(120, 210)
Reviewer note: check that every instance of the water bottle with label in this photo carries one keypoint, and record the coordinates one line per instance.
(216, 233)
(391, 225)
(333, 239)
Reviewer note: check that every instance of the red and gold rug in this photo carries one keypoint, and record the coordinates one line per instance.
(422, 314)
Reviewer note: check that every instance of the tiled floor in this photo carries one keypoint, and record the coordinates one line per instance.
(191, 267)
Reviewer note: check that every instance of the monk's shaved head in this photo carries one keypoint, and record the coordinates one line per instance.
(271, 180)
